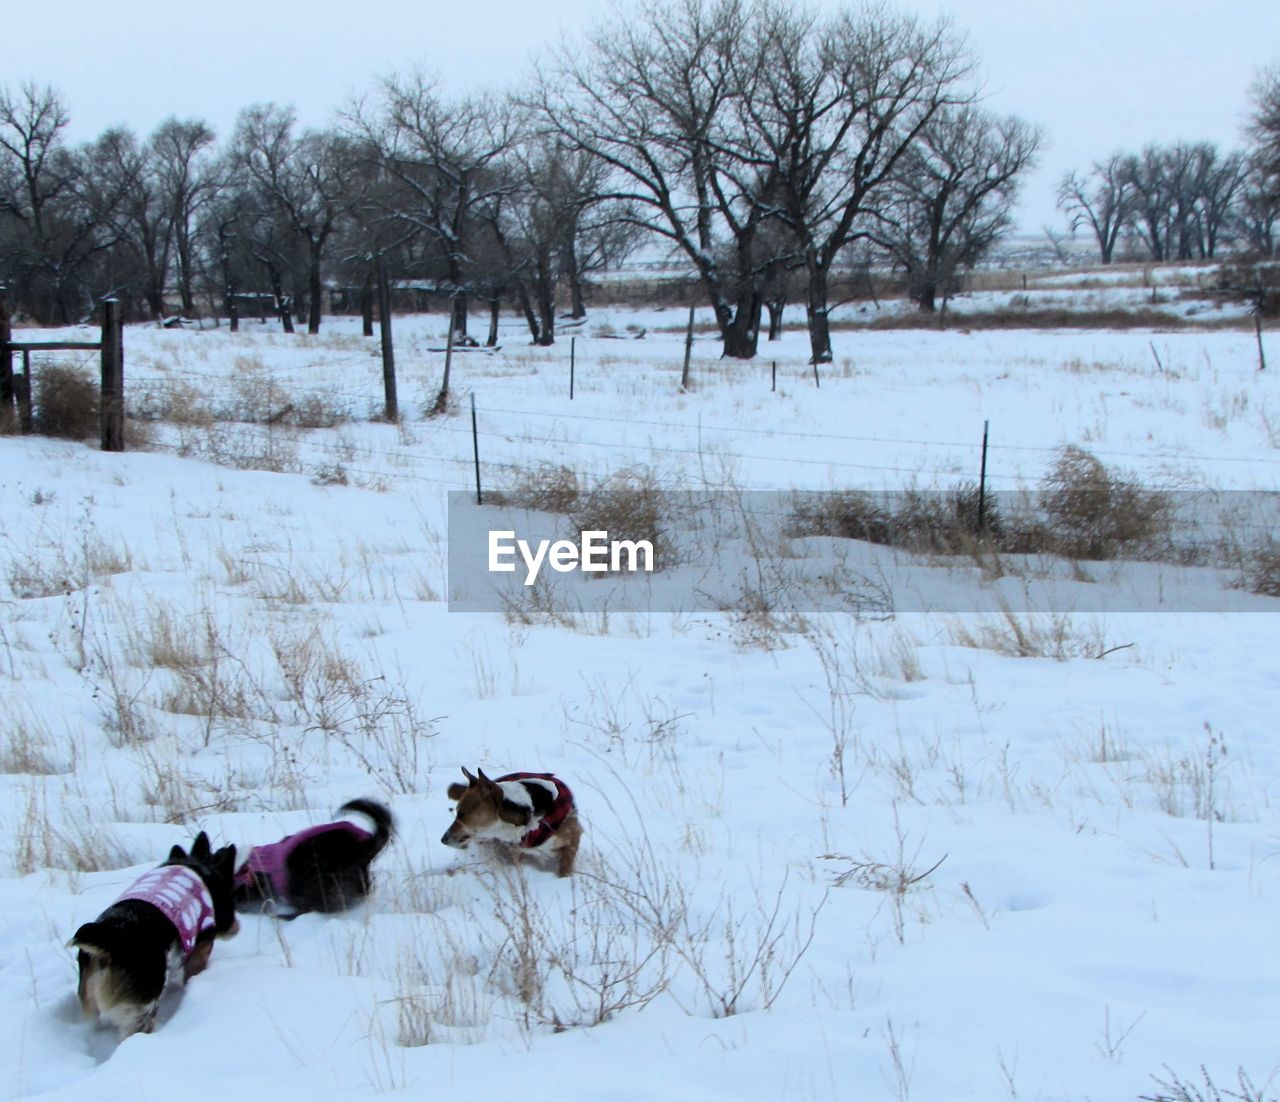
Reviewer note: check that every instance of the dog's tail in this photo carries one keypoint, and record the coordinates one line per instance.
(379, 815)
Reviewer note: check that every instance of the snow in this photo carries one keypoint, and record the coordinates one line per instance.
(913, 865)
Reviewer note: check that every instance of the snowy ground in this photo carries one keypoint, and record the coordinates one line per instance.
(842, 858)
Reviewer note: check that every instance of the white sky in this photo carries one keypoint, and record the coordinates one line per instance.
(1098, 75)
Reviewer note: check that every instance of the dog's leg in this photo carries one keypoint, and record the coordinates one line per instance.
(570, 834)
(198, 961)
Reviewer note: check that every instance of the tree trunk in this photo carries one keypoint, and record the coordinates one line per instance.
(284, 307)
(775, 306)
(392, 407)
(526, 308)
(818, 321)
(458, 301)
(314, 290)
(458, 315)
(532, 319)
(184, 276)
(577, 301)
(742, 339)
(927, 294)
(495, 309)
(366, 307)
(546, 291)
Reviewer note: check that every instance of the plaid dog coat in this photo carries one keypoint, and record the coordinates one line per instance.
(552, 803)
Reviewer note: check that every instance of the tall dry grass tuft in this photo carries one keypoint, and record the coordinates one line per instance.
(1096, 512)
(65, 403)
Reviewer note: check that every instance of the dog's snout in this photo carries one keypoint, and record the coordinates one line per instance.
(455, 836)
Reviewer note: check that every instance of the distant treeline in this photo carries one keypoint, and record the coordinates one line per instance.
(777, 151)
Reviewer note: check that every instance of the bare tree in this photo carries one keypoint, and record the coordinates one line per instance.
(181, 151)
(1103, 201)
(594, 233)
(1152, 176)
(48, 235)
(120, 186)
(1257, 209)
(839, 103)
(1218, 181)
(445, 156)
(301, 177)
(1264, 119)
(1260, 199)
(1182, 195)
(656, 99)
(952, 196)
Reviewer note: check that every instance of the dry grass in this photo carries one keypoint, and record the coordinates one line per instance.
(75, 841)
(1259, 569)
(65, 403)
(928, 522)
(1097, 512)
(548, 488)
(1031, 635)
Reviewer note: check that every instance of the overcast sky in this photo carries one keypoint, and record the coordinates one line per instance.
(1098, 75)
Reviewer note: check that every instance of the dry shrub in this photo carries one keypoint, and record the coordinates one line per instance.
(66, 404)
(1253, 279)
(629, 505)
(1260, 569)
(549, 488)
(1094, 511)
(930, 522)
(175, 402)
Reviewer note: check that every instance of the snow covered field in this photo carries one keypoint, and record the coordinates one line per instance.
(923, 856)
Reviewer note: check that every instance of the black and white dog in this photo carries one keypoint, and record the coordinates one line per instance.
(322, 868)
(163, 924)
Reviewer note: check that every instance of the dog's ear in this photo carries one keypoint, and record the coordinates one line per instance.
(88, 939)
(224, 861)
(456, 791)
(466, 773)
(201, 849)
(481, 778)
(177, 853)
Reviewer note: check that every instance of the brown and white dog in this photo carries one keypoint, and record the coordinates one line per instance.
(529, 814)
(162, 926)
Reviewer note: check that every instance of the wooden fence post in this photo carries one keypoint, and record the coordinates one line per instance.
(688, 351)
(111, 401)
(22, 395)
(475, 448)
(982, 481)
(392, 407)
(6, 362)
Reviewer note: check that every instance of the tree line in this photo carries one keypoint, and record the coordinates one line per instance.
(1186, 200)
(773, 149)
